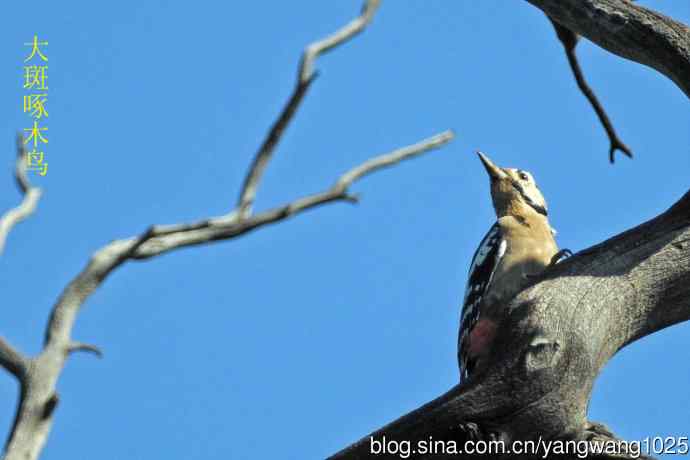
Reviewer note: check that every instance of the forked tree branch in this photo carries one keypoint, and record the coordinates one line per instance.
(305, 77)
(569, 41)
(160, 239)
(629, 30)
(31, 195)
(38, 376)
(32, 424)
(559, 334)
(560, 331)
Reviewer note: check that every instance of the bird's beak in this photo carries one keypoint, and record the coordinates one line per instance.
(494, 171)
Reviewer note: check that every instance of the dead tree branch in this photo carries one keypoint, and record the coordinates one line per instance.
(569, 41)
(38, 375)
(560, 333)
(631, 31)
(305, 77)
(31, 195)
(161, 239)
(31, 427)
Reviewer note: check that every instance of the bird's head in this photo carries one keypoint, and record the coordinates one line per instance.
(513, 190)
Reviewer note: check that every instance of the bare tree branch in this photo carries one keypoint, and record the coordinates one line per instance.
(156, 241)
(39, 375)
(559, 334)
(85, 347)
(30, 200)
(305, 77)
(165, 238)
(12, 360)
(630, 31)
(569, 41)
(561, 331)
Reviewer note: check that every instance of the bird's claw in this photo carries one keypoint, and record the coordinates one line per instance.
(593, 429)
(474, 433)
(560, 256)
(471, 430)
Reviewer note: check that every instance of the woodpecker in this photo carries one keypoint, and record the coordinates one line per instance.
(518, 246)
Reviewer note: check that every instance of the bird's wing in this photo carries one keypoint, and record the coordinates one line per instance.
(486, 259)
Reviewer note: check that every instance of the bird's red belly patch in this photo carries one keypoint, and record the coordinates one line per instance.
(481, 336)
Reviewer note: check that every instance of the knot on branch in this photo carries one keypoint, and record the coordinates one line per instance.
(475, 432)
(50, 405)
(541, 353)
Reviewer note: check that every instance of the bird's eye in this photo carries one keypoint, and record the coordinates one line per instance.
(524, 176)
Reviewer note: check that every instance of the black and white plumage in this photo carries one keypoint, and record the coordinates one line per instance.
(484, 262)
(519, 246)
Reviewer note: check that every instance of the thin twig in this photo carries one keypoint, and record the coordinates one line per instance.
(569, 39)
(29, 201)
(389, 159)
(85, 347)
(305, 77)
(222, 229)
(12, 360)
(314, 50)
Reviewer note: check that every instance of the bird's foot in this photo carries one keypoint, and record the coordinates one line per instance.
(560, 256)
(594, 429)
(474, 432)
(471, 430)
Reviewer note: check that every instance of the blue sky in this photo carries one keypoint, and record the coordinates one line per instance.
(300, 338)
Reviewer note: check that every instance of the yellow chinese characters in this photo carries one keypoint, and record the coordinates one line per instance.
(35, 49)
(35, 104)
(35, 163)
(35, 82)
(35, 134)
(35, 76)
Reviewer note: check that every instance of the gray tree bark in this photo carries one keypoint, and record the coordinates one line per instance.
(630, 31)
(562, 330)
(558, 335)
